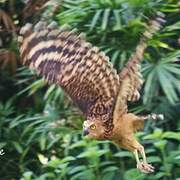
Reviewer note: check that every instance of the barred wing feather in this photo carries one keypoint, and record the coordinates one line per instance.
(66, 59)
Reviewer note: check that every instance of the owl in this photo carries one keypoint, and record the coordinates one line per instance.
(86, 74)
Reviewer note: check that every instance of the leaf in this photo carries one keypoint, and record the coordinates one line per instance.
(118, 20)
(110, 169)
(18, 147)
(115, 56)
(171, 135)
(105, 19)
(177, 157)
(27, 175)
(78, 144)
(150, 86)
(51, 143)
(157, 134)
(172, 69)
(87, 174)
(157, 43)
(175, 26)
(160, 175)
(133, 174)
(108, 175)
(43, 142)
(77, 169)
(160, 144)
(166, 85)
(46, 176)
(68, 158)
(36, 86)
(49, 91)
(153, 159)
(92, 153)
(109, 163)
(95, 19)
(123, 154)
(54, 163)
(2, 144)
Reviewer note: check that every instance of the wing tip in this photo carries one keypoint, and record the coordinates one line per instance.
(24, 32)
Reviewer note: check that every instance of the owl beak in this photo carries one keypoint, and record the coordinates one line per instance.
(85, 132)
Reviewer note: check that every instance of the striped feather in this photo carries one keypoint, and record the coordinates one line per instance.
(66, 59)
(130, 76)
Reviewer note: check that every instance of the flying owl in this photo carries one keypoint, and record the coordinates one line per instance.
(88, 77)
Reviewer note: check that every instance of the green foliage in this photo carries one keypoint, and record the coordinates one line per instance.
(40, 128)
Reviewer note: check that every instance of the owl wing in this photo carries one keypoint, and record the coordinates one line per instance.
(130, 84)
(66, 59)
(130, 76)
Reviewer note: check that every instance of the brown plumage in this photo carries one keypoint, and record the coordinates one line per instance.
(88, 77)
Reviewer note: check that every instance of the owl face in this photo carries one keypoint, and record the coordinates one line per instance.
(93, 129)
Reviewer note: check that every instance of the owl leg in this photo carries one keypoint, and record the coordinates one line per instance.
(152, 116)
(138, 122)
(142, 165)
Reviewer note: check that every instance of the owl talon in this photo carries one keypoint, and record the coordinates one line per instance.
(142, 165)
(145, 167)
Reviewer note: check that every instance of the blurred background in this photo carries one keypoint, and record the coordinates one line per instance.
(40, 128)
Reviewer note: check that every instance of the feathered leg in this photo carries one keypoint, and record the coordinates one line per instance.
(124, 137)
(142, 165)
(153, 116)
(138, 122)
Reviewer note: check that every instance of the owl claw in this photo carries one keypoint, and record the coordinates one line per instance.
(145, 167)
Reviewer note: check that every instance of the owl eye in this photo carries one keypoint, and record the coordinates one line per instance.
(93, 127)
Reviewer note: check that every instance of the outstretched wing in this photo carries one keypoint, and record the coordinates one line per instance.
(130, 76)
(66, 59)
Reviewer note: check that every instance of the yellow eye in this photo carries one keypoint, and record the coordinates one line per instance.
(93, 126)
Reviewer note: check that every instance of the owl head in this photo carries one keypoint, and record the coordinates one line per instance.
(94, 129)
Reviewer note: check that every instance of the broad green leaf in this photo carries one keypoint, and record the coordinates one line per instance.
(108, 175)
(171, 135)
(110, 169)
(123, 154)
(77, 169)
(160, 144)
(153, 159)
(133, 174)
(54, 163)
(157, 134)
